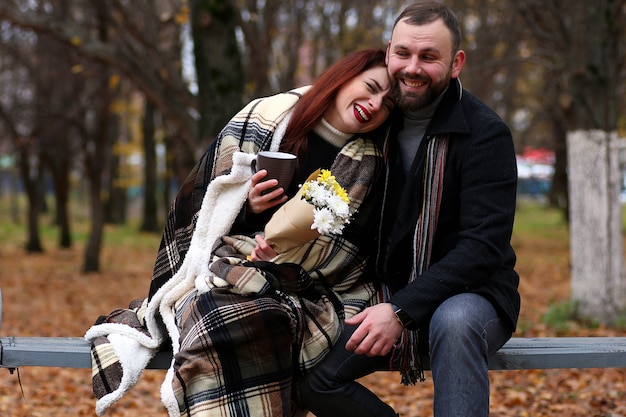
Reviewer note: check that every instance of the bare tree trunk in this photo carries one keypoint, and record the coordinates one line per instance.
(94, 243)
(218, 66)
(116, 200)
(559, 196)
(97, 161)
(598, 283)
(150, 221)
(60, 175)
(179, 159)
(98, 151)
(14, 193)
(31, 175)
(258, 31)
(293, 37)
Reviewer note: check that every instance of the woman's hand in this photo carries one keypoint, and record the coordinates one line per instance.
(259, 202)
(263, 251)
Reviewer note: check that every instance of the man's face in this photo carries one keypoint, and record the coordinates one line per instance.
(420, 62)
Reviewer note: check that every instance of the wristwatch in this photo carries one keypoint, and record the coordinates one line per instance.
(403, 318)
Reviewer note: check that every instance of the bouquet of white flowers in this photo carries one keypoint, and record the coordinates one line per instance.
(331, 204)
(321, 207)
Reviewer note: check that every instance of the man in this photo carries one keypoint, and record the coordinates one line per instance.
(445, 262)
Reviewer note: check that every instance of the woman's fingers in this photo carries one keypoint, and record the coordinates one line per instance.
(263, 251)
(259, 199)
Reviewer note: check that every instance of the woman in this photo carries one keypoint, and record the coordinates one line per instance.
(241, 352)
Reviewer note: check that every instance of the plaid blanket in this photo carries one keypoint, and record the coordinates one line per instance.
(237, 353)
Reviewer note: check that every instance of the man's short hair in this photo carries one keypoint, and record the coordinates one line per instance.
(427, 11)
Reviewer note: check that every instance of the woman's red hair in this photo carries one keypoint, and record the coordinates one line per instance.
(311, 107)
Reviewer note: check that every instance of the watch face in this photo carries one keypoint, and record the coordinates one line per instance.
(403, 317)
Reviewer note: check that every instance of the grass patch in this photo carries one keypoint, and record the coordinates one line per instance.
(15, 235)
(537, 220)
(559, 316)
(130, 236)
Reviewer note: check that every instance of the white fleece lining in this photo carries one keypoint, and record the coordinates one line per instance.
(134, 358)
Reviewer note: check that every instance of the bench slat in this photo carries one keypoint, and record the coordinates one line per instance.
(561, 352)
(518, 353)
(603, 343)
(64, 352)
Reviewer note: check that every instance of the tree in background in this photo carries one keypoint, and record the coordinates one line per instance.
(218, 66)
(582, 43)
(37, 109)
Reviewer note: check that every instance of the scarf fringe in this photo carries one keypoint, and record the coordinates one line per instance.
(410, 363)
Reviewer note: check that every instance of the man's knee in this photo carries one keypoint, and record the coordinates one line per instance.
(467, 319)
(461, 314)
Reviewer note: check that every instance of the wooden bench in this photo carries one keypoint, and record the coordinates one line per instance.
(517, 353)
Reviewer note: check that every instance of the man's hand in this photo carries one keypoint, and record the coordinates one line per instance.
(378, 331)
(259, 202)
(263, 251)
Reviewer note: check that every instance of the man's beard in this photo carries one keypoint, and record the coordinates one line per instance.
(412, 102)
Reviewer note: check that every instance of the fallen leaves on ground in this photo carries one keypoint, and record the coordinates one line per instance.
(47, 295)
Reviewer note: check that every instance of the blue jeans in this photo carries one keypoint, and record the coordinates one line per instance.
(464, 331)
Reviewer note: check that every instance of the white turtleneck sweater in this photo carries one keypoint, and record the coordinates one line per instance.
(331, 135)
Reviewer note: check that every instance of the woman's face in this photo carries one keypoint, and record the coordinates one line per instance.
(363, 103)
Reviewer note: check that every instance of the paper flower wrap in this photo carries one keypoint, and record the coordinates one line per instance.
(321, 207)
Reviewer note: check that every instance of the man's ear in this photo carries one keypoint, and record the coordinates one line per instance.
(457, 63)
